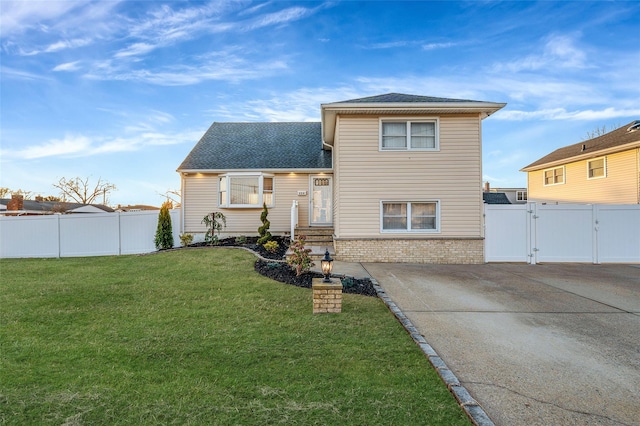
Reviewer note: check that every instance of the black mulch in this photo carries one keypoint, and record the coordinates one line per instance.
(280, 271)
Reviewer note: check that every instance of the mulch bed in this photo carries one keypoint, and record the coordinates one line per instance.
(278, 270)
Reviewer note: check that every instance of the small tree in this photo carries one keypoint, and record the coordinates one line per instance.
(164, 232)
(214, 221)
(300, 260)
(265, 235)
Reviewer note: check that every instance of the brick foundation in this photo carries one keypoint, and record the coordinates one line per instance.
(327, 297)
(438, 251)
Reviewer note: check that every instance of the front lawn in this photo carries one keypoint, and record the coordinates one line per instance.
(198, 337)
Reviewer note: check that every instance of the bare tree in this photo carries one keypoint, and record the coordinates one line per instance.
(6, 192)
(599, 131)
(173, 195)
(80, 191)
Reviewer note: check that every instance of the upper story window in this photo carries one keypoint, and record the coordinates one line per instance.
(402, 135)
(521, 195)
(554, 176)
(245, 190)
(597, 168)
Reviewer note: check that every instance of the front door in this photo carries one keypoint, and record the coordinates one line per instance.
(321, 200)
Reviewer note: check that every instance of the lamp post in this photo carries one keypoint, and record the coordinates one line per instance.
(327, 265)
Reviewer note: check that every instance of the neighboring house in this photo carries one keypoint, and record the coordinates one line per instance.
(393, 177)
(17, 206)
(512, 195)
(495, 198)
(605, 169)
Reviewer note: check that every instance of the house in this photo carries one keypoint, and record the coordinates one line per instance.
(504, 195)
(605, 170)
(18, 206)
(391, 178)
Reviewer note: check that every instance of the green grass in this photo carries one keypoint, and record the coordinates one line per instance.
(198, 337)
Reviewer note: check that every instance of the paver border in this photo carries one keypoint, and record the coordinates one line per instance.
(472, 409)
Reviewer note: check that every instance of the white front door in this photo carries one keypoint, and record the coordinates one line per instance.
(321, 200)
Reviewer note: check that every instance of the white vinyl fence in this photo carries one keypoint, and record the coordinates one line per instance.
(532, 233)
(88, 234)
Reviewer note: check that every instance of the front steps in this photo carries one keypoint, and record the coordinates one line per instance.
(319, 239)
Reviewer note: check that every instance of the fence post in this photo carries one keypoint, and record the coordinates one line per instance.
(594, 233)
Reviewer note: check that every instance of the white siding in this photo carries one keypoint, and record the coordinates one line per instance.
(200, 197)
(365, 176)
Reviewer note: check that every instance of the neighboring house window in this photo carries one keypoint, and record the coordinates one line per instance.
(414, 216)
(521, 195)
(597, 168)
(554, 176)
(409, 135)
(245, 190)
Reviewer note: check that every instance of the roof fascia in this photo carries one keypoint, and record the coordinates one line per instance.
(592, 154)
(219, 171)
(329, 112)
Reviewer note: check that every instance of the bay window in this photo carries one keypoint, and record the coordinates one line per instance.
(414, 216)
(245, 190)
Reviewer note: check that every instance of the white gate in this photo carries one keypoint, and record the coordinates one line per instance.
(535, 233)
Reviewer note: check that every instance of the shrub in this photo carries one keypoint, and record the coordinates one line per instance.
(241, 239)
(300, 260)
(265, 235)
(186, 239)
(271, 246)
(214, 221)
(164, 231)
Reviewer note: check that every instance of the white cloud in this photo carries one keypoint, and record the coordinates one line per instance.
(18, 16)
(433, 46)
(562, 114)
(136, 49)
(8, 72)
(281, 17)
(69, 66)
(559, 52)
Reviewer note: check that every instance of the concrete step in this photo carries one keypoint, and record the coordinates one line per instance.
(317, 251)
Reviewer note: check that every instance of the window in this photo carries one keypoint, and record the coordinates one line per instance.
(245, 190)
(597, 168)
(521, 195)
(415, 216)
(554, 176)
(422, 135)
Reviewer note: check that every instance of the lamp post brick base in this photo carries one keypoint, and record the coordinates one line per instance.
(327, 297)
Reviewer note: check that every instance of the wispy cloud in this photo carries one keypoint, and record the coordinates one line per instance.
(559, 52)
(12, 73)
(69, 66)
(19, 16)
(563, 114)
(434, 46)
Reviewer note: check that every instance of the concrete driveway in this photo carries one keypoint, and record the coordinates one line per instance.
(555, 344)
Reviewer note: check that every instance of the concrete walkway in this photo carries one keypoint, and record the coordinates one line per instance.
(534, 345)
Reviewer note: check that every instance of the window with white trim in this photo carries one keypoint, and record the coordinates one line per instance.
(597, 168)
(403, 135)
(554, 176)
(245, 190)
(410, 216)
(521, 195)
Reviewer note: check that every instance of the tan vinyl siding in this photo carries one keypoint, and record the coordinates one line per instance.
(366, 176)
(620, 186)
(201, 197)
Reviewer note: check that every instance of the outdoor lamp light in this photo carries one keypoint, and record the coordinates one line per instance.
(327, 265)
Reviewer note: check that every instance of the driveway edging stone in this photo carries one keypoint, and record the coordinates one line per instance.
(472, 409)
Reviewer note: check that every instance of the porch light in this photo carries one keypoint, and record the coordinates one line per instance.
(327, 266)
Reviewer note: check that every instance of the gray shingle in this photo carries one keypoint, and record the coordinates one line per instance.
(495, 198)
(401, 98)
(618, 137)
(230, 146)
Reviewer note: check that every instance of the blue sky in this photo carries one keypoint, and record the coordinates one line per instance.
(122, 90)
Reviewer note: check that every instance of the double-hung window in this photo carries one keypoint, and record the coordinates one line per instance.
(245, 190)
(403, 135)
(554, 176)
(410, 216)
(597, 168)
(521, 195)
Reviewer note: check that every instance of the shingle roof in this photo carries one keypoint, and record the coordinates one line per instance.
(495, 198)
(622, 136)
(401, 98)
(233, 146)
(47, 206)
